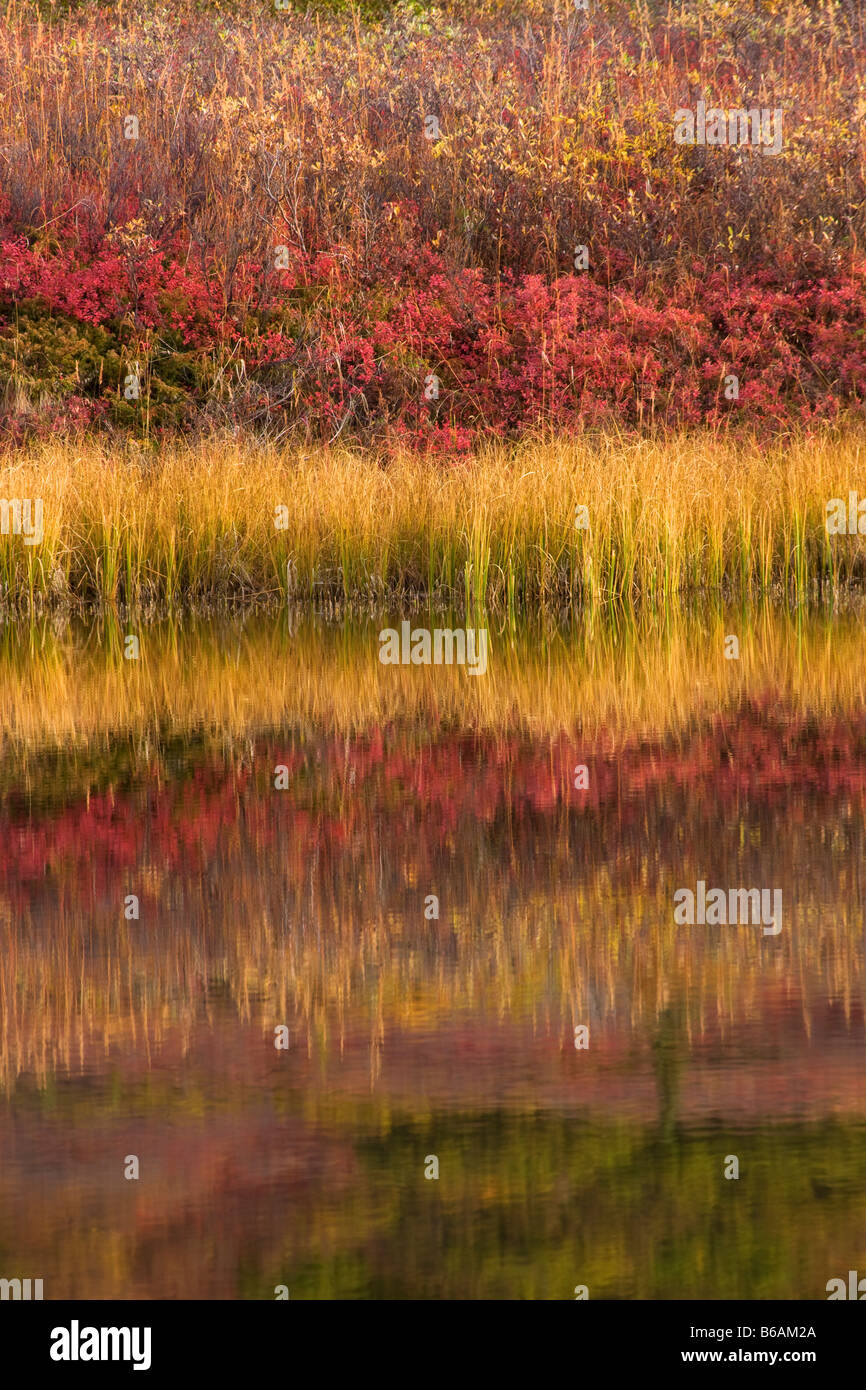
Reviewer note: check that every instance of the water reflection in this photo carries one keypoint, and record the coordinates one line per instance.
(410, 1034)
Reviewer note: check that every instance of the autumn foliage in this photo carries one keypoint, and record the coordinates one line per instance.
(407, 258)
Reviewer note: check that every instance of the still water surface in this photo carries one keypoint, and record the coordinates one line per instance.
(412, 1036)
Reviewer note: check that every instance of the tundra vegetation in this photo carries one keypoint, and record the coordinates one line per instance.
(423, 317)
(462, 247)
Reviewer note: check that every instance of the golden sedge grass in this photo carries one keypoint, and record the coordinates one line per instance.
(691, 513)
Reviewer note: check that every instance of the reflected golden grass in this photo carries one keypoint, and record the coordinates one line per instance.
(537, 955)
(156, 1036)
(546, 953)
(586, 940)
(65, 686)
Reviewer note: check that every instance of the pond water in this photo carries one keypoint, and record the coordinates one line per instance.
(256, 833)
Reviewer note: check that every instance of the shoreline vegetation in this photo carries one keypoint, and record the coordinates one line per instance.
(360, 305)
(587, 522)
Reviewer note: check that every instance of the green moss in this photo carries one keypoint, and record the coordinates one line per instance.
(47, 354)
(181, 374)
